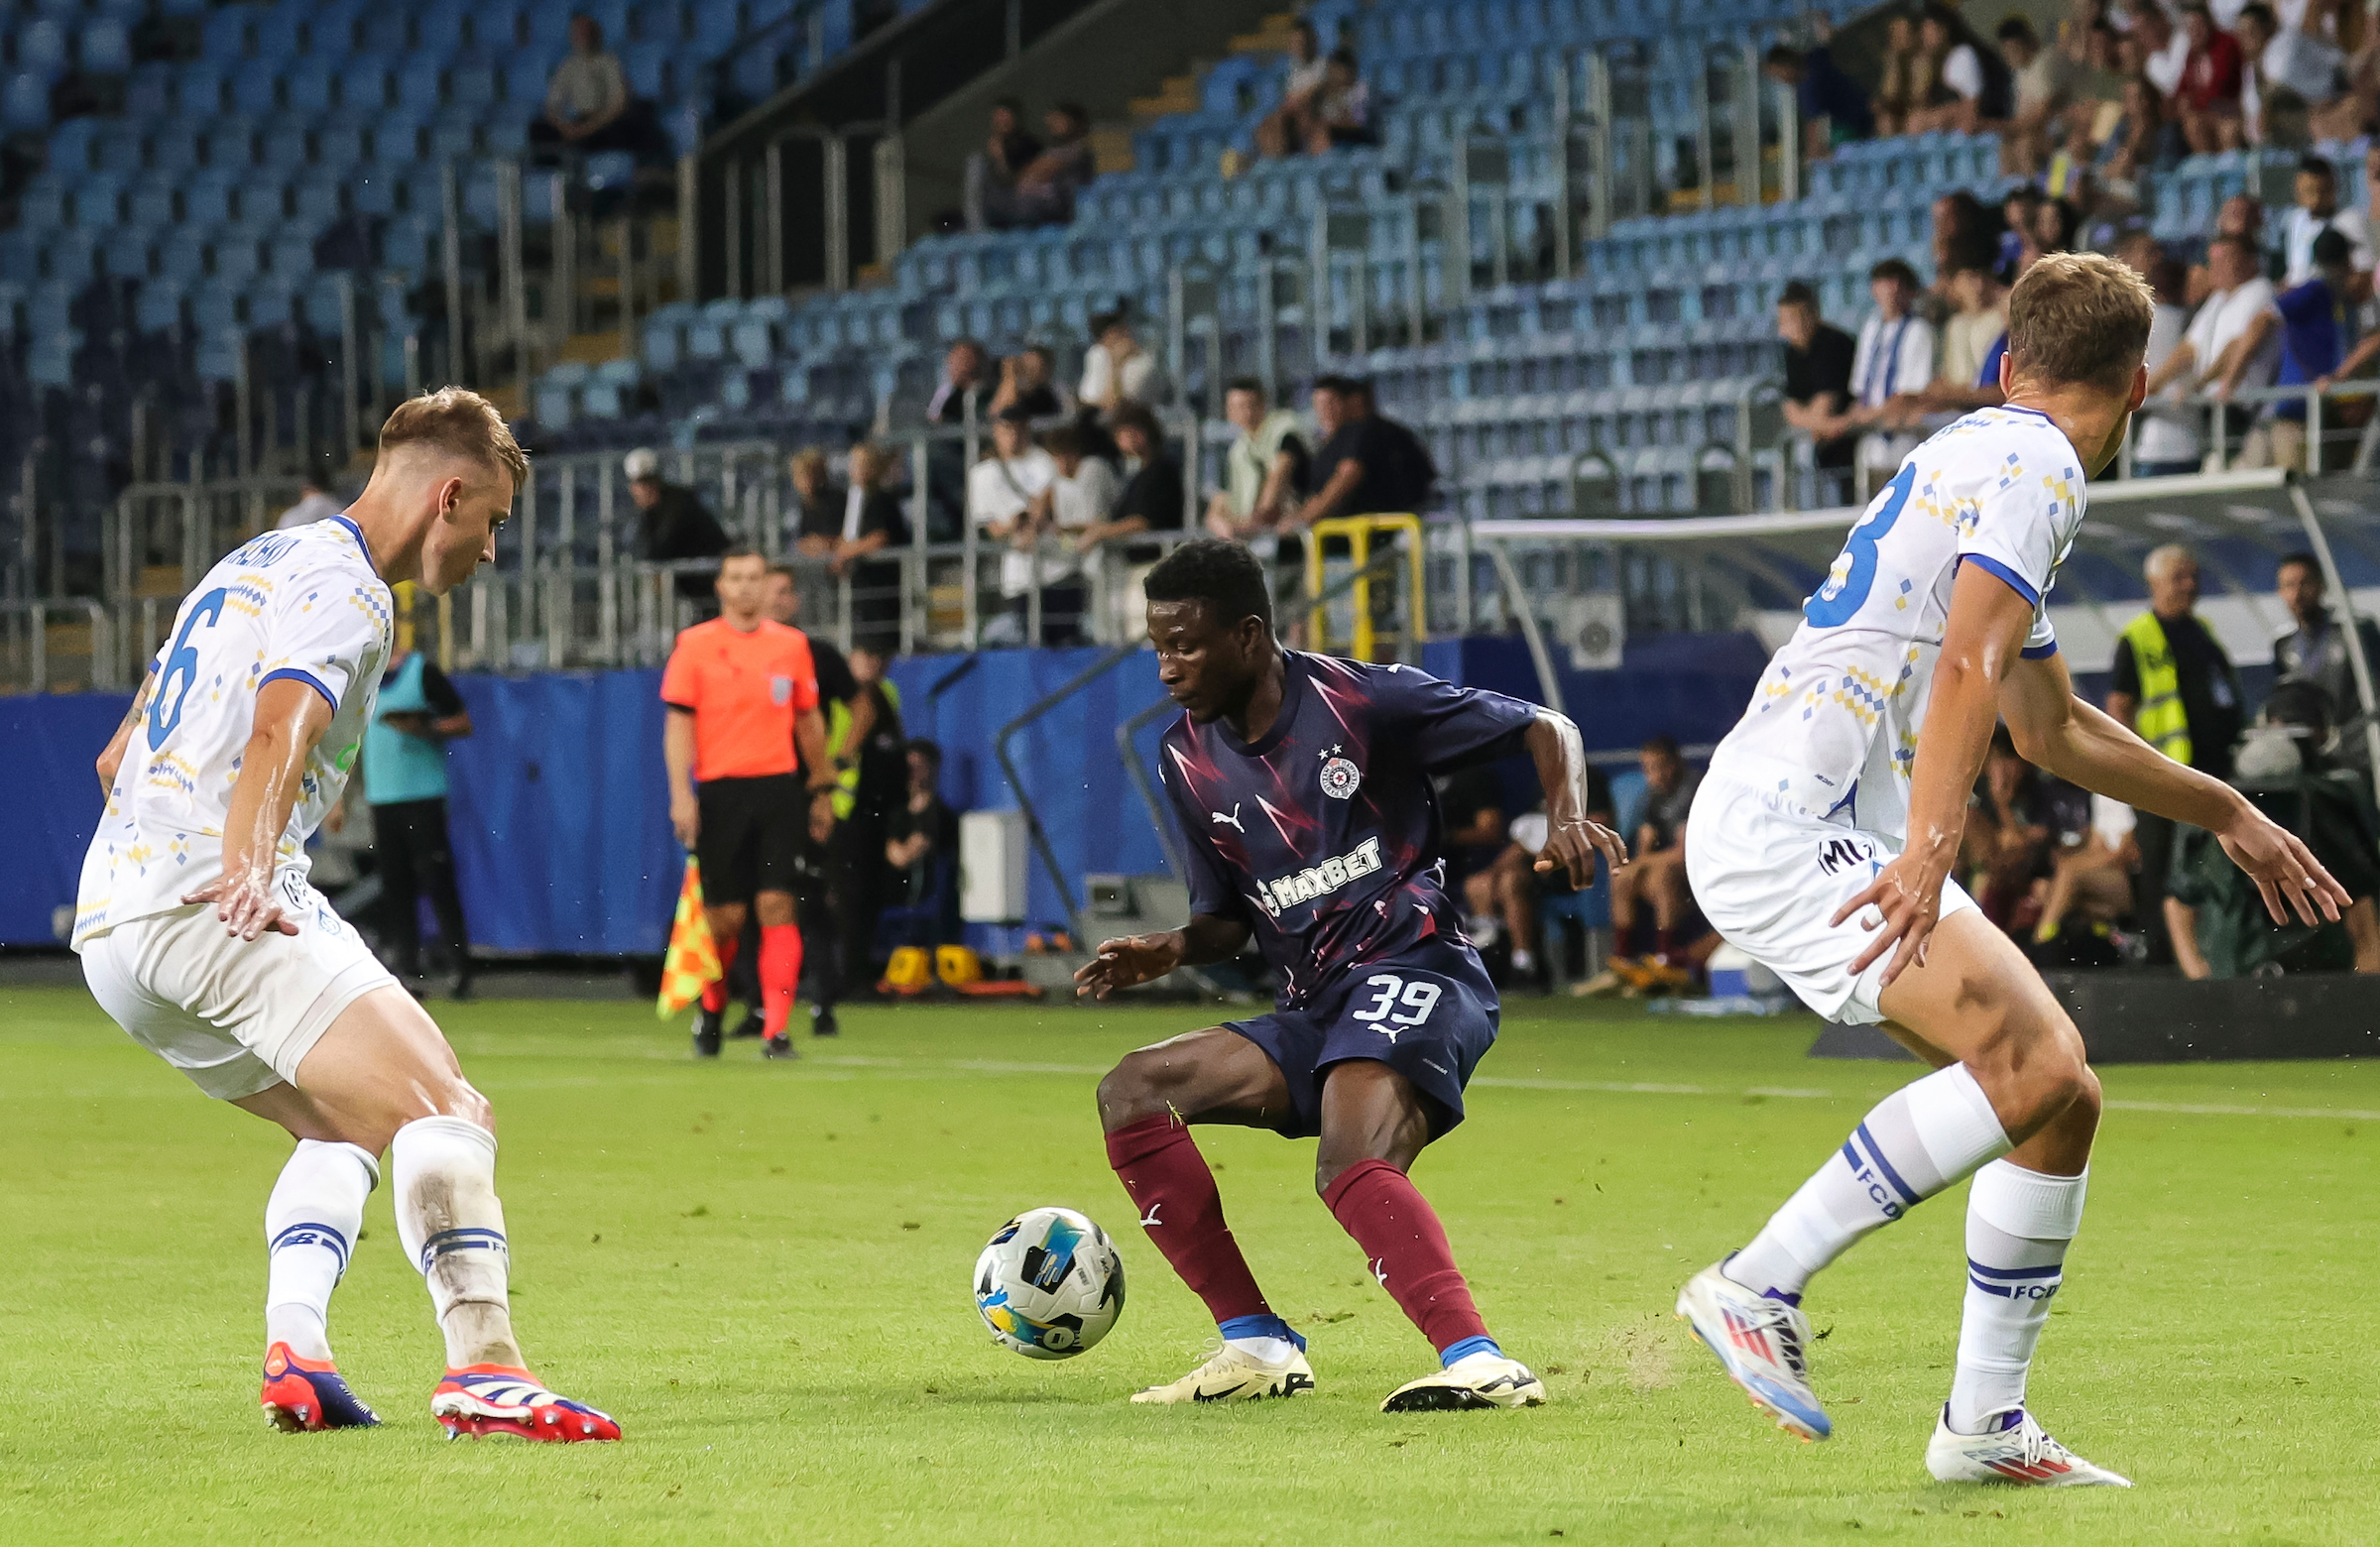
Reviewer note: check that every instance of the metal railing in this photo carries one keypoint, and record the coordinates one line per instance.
(37, 641)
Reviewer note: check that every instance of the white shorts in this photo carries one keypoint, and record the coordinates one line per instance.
(1768, 875)
(235, 1015)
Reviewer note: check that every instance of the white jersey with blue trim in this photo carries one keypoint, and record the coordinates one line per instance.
(305, 605)
(1833, 727)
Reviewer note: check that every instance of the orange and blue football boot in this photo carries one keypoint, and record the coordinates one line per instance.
(484, 1400)
(303, 1395)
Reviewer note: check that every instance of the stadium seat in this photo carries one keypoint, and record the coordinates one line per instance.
(105, 46)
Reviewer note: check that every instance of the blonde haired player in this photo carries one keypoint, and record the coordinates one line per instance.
(1823, 838)
(200, 935)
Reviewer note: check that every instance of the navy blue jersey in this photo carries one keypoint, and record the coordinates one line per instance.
(1323, 835)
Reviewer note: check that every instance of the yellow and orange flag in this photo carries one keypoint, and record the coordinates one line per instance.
(692, 960)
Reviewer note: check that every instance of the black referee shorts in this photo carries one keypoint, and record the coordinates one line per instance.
(752, 830)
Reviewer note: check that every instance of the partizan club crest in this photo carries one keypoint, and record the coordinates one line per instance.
(1339, 777)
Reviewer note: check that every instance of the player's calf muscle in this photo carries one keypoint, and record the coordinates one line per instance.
(1188, 1076)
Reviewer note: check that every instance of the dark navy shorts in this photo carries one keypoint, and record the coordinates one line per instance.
(1429, 1015)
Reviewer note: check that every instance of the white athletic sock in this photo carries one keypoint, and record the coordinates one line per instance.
(2018, 1225)
(1918, 1141)
(310, 1225)
(452, 1228)
(1271, 1349)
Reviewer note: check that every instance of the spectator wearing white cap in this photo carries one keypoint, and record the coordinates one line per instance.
(672, 524)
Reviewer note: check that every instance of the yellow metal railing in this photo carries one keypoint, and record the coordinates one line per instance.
(1360, 533)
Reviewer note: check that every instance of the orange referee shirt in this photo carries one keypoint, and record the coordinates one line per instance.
(743, 690)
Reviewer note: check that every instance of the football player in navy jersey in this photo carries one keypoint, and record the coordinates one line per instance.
(1303, 788)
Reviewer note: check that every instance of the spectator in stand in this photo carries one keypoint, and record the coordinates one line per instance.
(1341, 110)
(2238, 293)
(2069, 175)
(922, 849)
(2090, 873)
(2313, 319)
(871, 522)
(1961, 225)
(2316, 651)
(1263, 472)
(2164, 48)
(2020, 245)
(1152, 498)
(1116, 369)
(1894, 359)
(2056, 226)
(2289, 73)
(671, 525)
(991, 173)
(1001, 492)
(1368, 465)
(2167, 440)
(313, 504)
(1907, 77)
(1046, 185)
(1025, 382)
(2237, 216)
(2209, 95)
(1043, 560)
(1292, 122)
(2044, 89)
(1817, 380)
(2144, 141)
(587, 104)
(814, 515)
(1956, 103)
(1833, 109)
(1969, 375)
(2007, 835)
(2174, 686)
(966, 379)
(2317, 211)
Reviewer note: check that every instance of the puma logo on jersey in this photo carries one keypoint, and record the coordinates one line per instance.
(1320, 880)
(1232, 821)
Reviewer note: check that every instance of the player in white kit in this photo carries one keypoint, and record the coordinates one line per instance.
(199, 934)
(1823, 839)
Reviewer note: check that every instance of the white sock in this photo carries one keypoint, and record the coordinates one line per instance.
(2018, 1225)
(452, 1228)
(1917, 1142)
(310, 1225)
(1271, 1349)
(1523, 960)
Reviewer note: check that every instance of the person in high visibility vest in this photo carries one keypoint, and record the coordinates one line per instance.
(2174, 689)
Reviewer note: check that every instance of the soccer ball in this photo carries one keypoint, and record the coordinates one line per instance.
(1050, 1284)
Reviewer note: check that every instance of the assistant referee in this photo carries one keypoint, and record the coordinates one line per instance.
(742, 695)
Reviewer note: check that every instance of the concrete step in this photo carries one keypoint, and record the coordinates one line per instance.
(161, 580)
(1111, 148)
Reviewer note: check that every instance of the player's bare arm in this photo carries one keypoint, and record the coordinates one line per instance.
(2063, 735)
(1573, 838)
(111, 759)
(291, 716)
(677, 752)
(1136, 959)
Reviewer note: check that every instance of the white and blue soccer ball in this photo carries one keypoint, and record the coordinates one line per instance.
(1050, 1284)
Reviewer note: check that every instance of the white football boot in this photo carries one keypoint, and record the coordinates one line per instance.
(1234, 1375)
(1760, 1343)
(1474, 1381)
(2017, 1449)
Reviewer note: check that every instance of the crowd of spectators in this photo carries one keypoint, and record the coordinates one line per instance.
(2124, 87)
(2259, 304)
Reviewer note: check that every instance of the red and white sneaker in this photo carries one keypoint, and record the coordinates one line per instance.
(483, 1399)
(2016, 1449)
(304, 1395)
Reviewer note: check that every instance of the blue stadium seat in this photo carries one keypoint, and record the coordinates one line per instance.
(384, 29)
(421, 84)
(366, 82)
(525, 77)
(105, 48)
(312, 85)
(229, 142)
(157, 305)
(224, 37)
(25, 101)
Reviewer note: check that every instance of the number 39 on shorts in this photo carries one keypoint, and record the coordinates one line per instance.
(1400, 1003)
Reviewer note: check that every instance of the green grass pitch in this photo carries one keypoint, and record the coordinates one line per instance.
(762, 1272)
